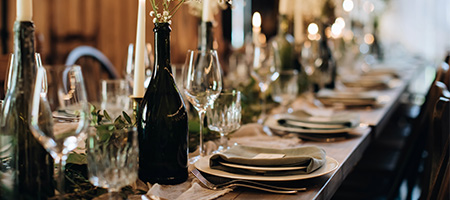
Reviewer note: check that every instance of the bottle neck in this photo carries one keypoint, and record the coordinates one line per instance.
(162, 46)
(24, 68)
(205, 36)
(283, 26)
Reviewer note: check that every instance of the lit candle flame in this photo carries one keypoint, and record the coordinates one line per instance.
(347, 5)
(313, 28)
(256, 20)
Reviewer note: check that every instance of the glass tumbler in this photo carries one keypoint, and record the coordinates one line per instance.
(112, 156)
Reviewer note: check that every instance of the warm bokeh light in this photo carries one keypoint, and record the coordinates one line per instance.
(368, 38)
(262, 38)
(336, 30)
(314, 37)
(348, 35)
(347, 5)
(340, 22)
(256, 19)
(368, 7)
(313, 28)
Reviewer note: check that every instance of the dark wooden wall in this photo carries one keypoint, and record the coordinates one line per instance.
(109, 25)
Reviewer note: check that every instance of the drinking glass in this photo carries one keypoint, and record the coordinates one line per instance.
(9, 69)
(224, 116)
(285, 88)
(202, 83)
(115, 97)
(59, 118)
(112, 156)
(148, 62)
(265, 64)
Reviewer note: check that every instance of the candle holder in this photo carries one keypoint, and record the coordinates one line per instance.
(136, 102)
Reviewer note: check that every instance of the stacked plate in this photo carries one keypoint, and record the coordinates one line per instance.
(348, 98)
(367, 82)
(302, 122)
(262, 164)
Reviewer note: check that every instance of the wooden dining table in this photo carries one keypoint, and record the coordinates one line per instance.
(347, 152)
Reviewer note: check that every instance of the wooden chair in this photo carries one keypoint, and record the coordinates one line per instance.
(95, 66)
(410, 157)
(435, 180)
(443, 73)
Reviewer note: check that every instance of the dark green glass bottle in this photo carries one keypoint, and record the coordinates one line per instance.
(31, 163)
(284, 44)
(162, 121)
(205, 36)
(328, 61)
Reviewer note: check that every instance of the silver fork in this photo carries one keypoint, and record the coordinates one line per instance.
(245, 183)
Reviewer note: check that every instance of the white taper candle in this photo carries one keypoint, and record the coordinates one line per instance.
(24, 10)
(139, 65)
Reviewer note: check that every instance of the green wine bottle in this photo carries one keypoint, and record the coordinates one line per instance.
(162, 121)
(205, 36)
(31, 166)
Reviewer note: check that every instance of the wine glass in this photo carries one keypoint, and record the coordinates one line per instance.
(115, 96)
(9, 69)
(202, 83)
(112, 156)
(148, 62)
(265, 64)
(59, 118)
(224, 116)
(285, 88)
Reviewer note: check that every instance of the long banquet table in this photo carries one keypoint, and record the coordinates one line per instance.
(347, 152)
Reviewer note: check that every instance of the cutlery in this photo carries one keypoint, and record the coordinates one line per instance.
(297, 123)
(321, 139)
(245, 183)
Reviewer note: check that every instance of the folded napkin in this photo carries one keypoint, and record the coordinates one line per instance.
(311, 157)
(349, 98)
(369, 82)
(307, 120)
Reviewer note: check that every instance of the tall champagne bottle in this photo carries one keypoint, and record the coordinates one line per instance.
(162, 121)
(31, 164)
(205, 36)
(328, 61)
(283, 42)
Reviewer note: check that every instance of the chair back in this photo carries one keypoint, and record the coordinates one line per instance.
(436, 174)
(95, 66)
(443, 73)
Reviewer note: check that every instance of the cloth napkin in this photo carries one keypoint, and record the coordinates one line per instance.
(311, 157)
(190, 189)
(311, 120)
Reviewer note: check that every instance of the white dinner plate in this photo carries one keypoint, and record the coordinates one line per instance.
(330, 165)
(257, 168)
(272, 122)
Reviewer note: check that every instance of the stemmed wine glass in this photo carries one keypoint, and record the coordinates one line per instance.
(265, 64)
(285, 88)
(59, 117)
(224, 116)
(202, 83)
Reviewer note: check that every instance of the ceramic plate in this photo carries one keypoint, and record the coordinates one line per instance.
(272, 122)
(330, 165)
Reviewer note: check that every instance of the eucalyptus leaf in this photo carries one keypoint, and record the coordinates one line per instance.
(77, 158)
(127, 117)
(107, 116)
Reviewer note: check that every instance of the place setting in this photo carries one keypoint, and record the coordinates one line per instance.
(319, 125)
(265, 168)
(351, 98)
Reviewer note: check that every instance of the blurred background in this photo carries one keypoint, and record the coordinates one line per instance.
(419, 27)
